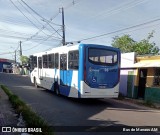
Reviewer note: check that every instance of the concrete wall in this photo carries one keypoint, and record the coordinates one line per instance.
(152, 94)
(127, 61)
(127, 82)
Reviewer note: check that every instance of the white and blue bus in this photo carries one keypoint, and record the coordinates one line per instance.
(79, 71)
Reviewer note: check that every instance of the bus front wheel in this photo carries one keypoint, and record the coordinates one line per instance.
(35, 83)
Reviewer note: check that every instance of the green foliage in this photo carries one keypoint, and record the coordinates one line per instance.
(127, 44)
(24, 59)
(6, 90)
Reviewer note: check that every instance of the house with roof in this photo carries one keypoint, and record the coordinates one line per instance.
(140, 77)
(147, 79)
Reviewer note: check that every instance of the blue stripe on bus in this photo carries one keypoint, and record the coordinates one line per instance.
(52, 87)
(81, 69)
(54, 79)
(65, 89)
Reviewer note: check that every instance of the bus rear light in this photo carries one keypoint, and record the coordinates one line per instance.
(118, 74)
(85, 74)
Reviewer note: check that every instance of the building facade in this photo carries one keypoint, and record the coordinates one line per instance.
(140, 77)
(147, 80)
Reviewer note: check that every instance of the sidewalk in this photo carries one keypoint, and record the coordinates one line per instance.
(7, 114)
(141, 104)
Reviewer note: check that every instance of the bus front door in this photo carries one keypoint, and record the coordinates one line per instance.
(40, 70)
(63, 69)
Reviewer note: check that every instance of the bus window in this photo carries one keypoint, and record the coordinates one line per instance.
(73, 60)
(63, 61)
(35, 61)
(40, 62)
(56, 60)
(51, 60)
(31, 62)
(45, 61)
(102, 56)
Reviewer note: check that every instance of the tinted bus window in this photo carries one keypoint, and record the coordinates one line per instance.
(39, 62)
(73, 60)
(31, 62)
(35, 61)
(102, 56)
(63, 61)
(45, 61)
(56, 60)
(51, 60)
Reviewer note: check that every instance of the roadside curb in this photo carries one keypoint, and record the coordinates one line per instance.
(134, 104)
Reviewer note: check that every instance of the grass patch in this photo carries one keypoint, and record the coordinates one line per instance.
(32, 120)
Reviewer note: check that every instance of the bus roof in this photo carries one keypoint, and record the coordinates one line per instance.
(70, 47)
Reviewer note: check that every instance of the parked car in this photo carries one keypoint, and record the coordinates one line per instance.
(7, 68)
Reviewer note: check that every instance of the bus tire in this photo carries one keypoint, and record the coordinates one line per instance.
(35, 83)
(57, 89)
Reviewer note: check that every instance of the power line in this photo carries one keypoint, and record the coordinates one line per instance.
(13, 22)
(74, 2)
(6, 53)
(113, 32)
(47, 21)
(26, 17)
(5, 33)
(13, 32)
(140, 28)
(38, 14)
(24, 14)
(120, 8)
(39, 43)
(22, 37)
(30, 13)
(10, 36)
(128, 5)
(32, 10)
(43, 27)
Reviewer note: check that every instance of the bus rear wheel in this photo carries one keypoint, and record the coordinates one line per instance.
(57, 89)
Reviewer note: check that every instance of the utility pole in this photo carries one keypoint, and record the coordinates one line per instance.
(63, 28)
(20, 48)
(15, 57)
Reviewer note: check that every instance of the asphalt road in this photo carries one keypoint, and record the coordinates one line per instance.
(62, 112)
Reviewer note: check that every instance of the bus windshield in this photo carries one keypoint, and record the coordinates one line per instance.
(102, 56)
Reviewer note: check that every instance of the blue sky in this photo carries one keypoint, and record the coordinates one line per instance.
(83, 19)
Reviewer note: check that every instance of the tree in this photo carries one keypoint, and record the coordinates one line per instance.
(24, 59)
(127, 44)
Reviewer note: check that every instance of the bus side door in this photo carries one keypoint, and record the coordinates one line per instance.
(40, 70)
(63, 69)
